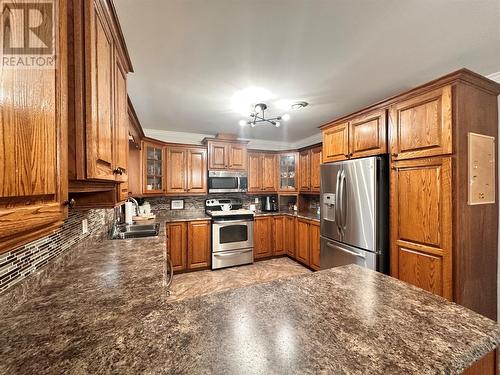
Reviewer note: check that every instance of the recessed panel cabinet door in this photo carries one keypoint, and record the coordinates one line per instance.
(237, 157)
(421, 126)
(254, 172)
(303, 244)
(99, 90)
(196, 170)
(33, 145)
(314, 245)
(290, 236)
(279, 235)
(176, 245)
(305, 171)
(367, 134)
(316, 155)
(269, 175)
(336, 143)
(121, 124)
(263, 237)
(421, 227)
(218, 152)
(198, 251)
(176, 165)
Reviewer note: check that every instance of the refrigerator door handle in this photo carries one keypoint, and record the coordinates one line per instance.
(341, 205)
(329, 244)
(344, 203)
(337, 216)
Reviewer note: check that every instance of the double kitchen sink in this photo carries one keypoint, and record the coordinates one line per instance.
(124, 231)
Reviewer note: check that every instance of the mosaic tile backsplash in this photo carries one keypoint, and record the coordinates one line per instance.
(17, 264)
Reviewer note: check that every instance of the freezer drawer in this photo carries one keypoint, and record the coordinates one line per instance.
(334, 254)
(231, 258)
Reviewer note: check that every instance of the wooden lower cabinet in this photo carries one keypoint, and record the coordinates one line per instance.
(314, 245)
(176, 245)
(302, 241)
(279, 235)
(263, 237)
(198, 244)
(484, 366)
(188, 244)
(289, 240)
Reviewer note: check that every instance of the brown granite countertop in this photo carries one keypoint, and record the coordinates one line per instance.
(107, 312)
(181, 215)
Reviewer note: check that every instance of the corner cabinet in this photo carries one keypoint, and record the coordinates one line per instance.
(309, 170)
(226, 154)
(33, 155)
(287, 179)
(153, 168)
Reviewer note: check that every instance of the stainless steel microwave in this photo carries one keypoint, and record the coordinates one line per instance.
(227, 182)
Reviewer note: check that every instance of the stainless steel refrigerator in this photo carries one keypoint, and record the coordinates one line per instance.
(355, 213)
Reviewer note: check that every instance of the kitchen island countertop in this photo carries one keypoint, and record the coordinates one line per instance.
(107, 311)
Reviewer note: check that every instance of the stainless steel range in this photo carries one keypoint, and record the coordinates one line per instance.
(232, 232)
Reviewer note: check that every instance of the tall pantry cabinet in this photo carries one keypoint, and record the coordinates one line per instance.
(33, 139)
(439, 241)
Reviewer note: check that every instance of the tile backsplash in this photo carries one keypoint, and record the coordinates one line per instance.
(17, 264)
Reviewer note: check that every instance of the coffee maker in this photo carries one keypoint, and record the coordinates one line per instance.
(269, 203)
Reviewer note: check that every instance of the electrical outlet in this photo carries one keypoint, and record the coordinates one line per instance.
(85, 226)
(256, 200)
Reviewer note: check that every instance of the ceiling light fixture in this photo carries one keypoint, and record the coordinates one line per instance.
(299, 105)
(258, 116)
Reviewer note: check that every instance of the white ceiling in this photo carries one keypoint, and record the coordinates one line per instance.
(191, 56)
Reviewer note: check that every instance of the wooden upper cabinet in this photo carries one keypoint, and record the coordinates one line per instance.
(237, 156)
(226, 155)
(263, 237)
(154, 168)
(305, 170)
(199, 244)
(367, 134)
(421, 227)
(315, 180)
(218, 155)
(262, 172)
(99, 58)
(287, 171)
(422, 126)
(176, 176)
(121, 123)
(254, 172)
(33, 145)
(336, 143)
(187, 170)
(196, 173)
(269, 172)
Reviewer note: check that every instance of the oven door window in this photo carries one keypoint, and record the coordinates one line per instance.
(233, 233)
(223, 183)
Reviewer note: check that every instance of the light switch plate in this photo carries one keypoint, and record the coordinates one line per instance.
(481, 169)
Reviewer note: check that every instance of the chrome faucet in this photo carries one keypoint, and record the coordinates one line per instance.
(136, 204)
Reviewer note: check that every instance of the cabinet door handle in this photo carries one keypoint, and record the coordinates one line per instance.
(70, 203)
(394, 154)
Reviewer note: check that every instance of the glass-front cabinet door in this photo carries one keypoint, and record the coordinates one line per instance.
(288, 172)
(153, 169)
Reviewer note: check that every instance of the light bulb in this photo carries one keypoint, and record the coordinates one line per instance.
(277, 124)
(242, 122)
(252, 125)
(285, 117)
(258, 108)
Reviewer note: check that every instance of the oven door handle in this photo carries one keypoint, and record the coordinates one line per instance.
(232, 221)
(230, 253)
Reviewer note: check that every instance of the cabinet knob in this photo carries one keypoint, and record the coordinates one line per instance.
(119, 171)
(70, 203)
(394, 154)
